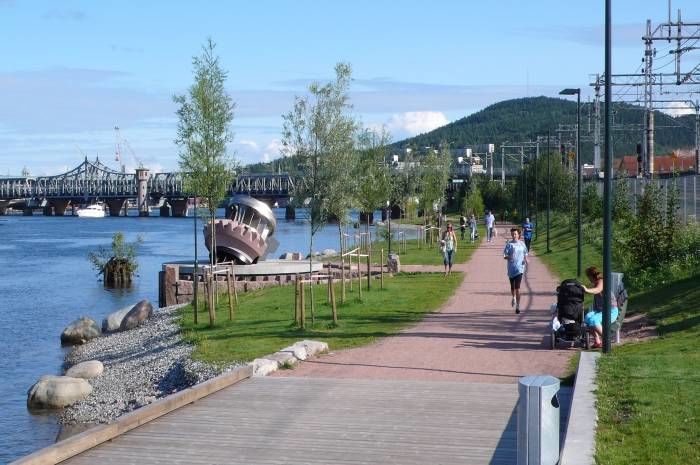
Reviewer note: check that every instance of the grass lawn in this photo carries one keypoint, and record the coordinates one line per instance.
(264, 324)
(647, 398)
(429, 254)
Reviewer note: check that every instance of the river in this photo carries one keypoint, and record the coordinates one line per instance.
(46, 281)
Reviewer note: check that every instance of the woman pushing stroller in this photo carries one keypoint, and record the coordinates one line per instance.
(594, 318)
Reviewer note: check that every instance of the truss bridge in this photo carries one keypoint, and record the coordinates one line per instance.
(92, 182)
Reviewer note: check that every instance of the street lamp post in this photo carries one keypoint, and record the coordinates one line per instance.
(577, 92)
(549, 184)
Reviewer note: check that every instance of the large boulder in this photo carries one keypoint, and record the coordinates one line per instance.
(86, 370)
(80, 331)
(138, 314)
(114, 319)
(57, 392)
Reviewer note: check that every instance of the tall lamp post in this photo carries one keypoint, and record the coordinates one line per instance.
(577, 92)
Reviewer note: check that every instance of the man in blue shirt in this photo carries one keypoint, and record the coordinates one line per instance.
(527, 233)
(516, 254)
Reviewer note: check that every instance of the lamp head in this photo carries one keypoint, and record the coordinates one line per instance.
(570, 92)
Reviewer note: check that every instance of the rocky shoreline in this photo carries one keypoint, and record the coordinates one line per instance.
(140, 366)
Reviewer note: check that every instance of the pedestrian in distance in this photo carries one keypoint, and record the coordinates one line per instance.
(448, 246)
(472, 228)
(490, 222)
(462, 225)
(515, 253)
(527, 233)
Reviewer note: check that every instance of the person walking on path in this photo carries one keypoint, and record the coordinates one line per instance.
(490, 222)
(527, 233)
(462, 224)
(449, 245)
(516, 254)
(472, 227)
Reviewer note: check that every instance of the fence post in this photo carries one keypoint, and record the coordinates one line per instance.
(296, 300)
(230, 297)
(302, 312)
(381, 270)
(369, 270)
(359, 275)
(332, 293)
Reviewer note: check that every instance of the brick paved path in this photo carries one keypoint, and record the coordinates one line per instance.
(476, 336)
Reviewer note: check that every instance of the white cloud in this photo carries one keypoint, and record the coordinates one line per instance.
(415, 122)
(680, 109)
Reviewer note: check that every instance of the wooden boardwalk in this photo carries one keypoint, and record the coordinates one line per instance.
(330, 421)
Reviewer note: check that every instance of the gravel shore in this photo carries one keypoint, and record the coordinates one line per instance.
(140, 366)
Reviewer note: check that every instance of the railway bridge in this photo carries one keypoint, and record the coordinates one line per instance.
(92, 181)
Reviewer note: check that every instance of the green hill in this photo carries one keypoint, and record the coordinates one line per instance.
(524, 119)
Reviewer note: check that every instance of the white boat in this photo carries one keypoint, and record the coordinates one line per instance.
(92, 211)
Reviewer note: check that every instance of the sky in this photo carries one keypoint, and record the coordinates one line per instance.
(72, 71)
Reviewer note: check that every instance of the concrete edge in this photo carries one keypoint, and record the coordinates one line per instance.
(579, 439)
(74, 445)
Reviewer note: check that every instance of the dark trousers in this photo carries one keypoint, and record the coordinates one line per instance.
(527, 243)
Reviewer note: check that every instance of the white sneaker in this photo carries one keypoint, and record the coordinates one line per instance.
(512, 302)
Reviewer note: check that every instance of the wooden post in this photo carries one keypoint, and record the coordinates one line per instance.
(334, 310)
(230, 297)
(296, 300)
(350, 270)
(329, 289)
(233, 276)
(342, 270)
(302, 313)
(369, 270)
(381, 270)
(312, 287)
(195, 290)
(205, 281)
(359, 275)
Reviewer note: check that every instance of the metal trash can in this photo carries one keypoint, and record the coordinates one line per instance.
(538, 421)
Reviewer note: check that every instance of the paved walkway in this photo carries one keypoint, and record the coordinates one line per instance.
(476, 336)
(397, 405)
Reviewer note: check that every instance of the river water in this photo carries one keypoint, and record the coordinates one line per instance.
(46, 281)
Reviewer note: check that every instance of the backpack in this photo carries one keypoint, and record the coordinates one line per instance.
(570, 300)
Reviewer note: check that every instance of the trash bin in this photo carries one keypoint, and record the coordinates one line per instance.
(538, 421)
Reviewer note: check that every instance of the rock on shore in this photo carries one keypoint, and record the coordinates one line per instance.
(140, 365)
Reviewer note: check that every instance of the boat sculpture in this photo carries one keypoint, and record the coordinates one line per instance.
(91, 211)
(243, 236)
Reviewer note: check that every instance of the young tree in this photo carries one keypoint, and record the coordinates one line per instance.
(373, 173)
(435, 171)
(320, 132)
(203, 130)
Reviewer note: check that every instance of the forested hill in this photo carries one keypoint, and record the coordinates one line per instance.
(524, 119)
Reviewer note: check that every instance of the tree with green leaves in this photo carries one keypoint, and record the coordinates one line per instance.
(374, 177)
(203, 131)
(435, 172)
(116, 264)
(320, 132)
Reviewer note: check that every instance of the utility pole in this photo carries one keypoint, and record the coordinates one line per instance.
(596, 133)
(648, 106)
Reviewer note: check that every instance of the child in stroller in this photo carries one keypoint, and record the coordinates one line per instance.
(567, 315)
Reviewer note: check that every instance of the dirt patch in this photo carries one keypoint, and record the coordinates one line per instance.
(637, 328)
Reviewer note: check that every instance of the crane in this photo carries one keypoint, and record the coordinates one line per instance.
(120, 143)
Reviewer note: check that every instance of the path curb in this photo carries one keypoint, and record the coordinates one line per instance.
(579, 439)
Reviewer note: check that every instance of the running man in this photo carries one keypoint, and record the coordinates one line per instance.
(516, 254)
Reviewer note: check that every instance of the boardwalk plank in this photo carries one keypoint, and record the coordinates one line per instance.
(322, 421)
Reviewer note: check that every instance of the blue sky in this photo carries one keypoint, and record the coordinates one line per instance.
(73, 70)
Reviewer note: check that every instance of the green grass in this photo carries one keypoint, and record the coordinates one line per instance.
(648, 405)
(264, 324)
(429, 254)
(647, 399)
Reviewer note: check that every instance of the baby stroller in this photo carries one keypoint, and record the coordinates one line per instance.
(567, 315)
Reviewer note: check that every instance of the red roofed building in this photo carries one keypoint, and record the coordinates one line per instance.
(665, 165)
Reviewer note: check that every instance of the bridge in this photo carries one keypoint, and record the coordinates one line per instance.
(92, 181)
